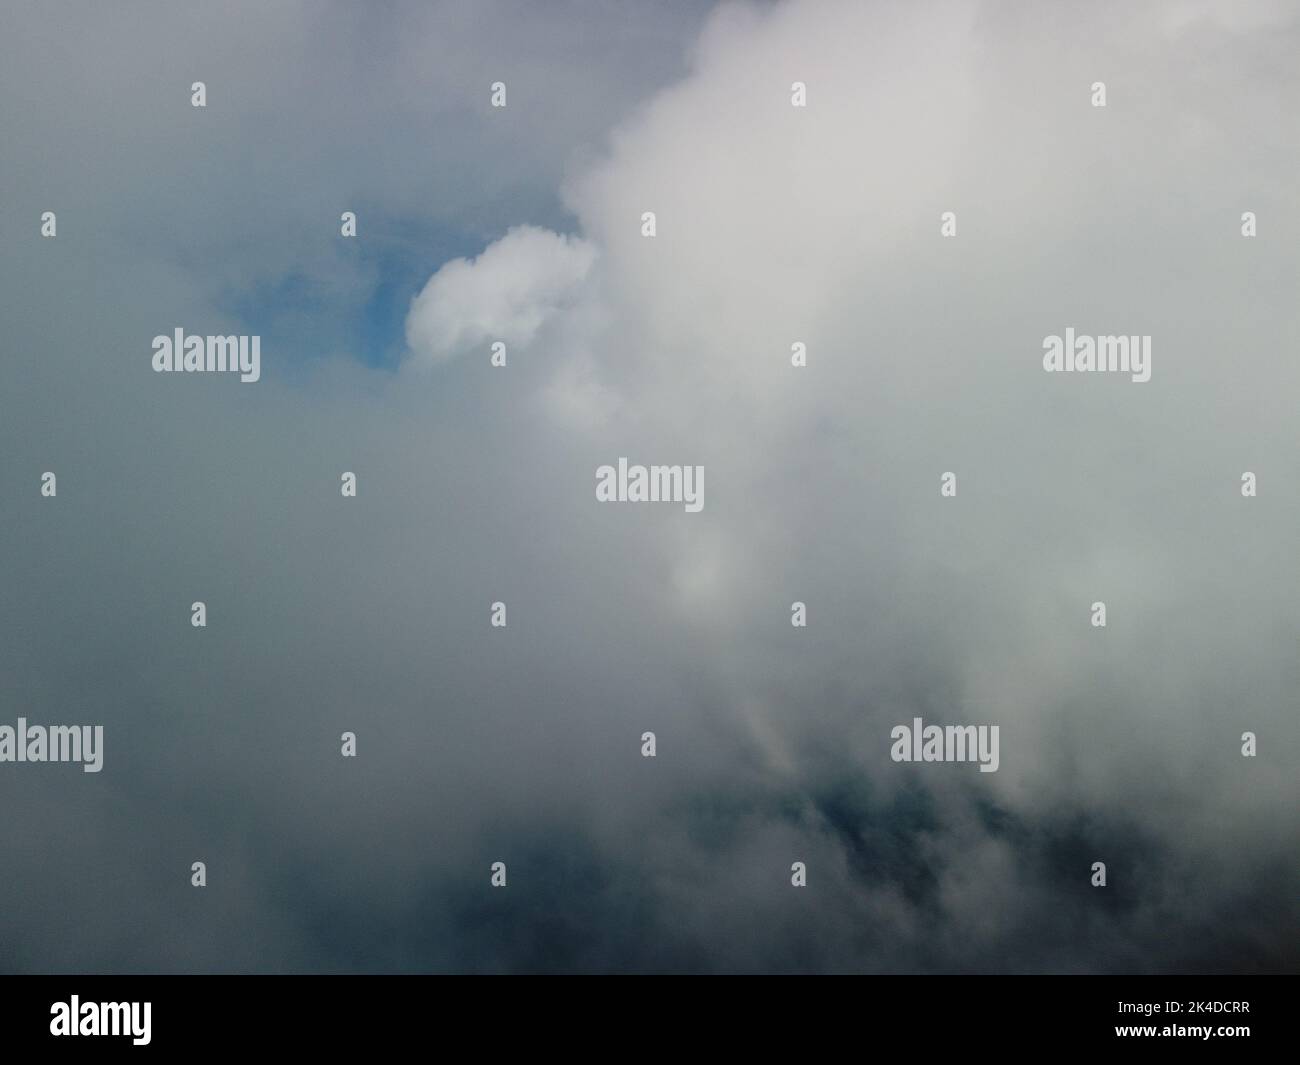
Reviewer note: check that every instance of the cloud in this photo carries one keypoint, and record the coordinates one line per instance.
(507, 293)
(775, 225)
(822, 225)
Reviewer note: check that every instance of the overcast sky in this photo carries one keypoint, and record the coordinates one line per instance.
(775, 224)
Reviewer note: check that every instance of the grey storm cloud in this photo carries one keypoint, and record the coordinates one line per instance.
(775, 225)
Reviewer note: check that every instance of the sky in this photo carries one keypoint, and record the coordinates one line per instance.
(774, 225)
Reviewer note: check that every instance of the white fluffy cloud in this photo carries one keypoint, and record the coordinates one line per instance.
(508, 293)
